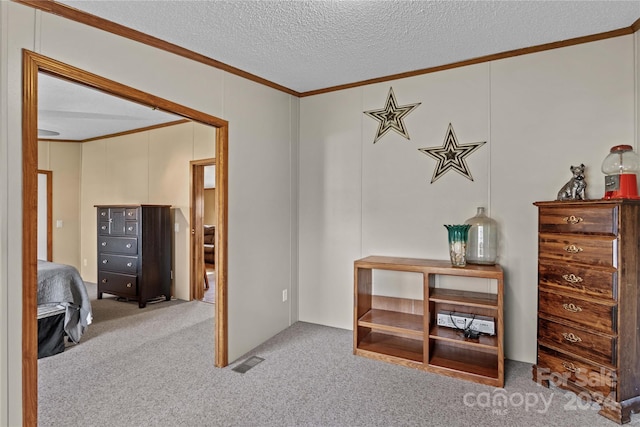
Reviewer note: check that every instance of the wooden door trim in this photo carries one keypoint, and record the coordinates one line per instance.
(49, 175)
(32, 64)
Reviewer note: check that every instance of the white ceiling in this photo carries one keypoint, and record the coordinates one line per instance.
(308, 45)
(78, 112)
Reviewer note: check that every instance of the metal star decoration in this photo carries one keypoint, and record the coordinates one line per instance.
(391, 116)
(451, 155)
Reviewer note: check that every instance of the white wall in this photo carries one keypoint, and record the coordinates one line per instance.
(539, 113)
(5, 356)
(263, 134)
(14, 34)
(64, 160)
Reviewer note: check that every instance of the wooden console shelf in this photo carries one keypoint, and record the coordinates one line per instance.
(405, 332)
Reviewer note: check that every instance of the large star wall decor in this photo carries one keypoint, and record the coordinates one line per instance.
(451, 155)
(391, 117)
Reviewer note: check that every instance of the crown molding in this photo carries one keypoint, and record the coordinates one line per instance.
(51, 6)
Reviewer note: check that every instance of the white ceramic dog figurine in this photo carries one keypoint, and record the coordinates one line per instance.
(575, 188)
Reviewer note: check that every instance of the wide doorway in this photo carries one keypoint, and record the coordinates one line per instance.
(33, 65)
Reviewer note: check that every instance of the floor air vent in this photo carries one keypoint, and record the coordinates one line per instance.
(248, 364)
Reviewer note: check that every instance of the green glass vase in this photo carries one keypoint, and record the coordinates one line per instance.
(458, 236)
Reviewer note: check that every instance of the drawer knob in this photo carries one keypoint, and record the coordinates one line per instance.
(572, 278)
(104, 227)
(128, 245)
(103, 243)
(130, 213)
(129, 264)
(573, 249)
(104, 280)
(572, 307)
(571, 337)
(103, 213)
(570, 367)
(129, 285)
(104, 261)
(130, 228)
(572, 219)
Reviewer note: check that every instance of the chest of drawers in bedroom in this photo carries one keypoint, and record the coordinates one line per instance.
(134, 252)
(588, 338)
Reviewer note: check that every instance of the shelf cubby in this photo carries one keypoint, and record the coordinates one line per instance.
(466, 363)
(392, 321)
(393, 346)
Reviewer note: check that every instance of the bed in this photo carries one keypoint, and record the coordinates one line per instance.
(61, 286)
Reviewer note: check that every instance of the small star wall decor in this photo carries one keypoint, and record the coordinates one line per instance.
(391, 117)
(451, 155)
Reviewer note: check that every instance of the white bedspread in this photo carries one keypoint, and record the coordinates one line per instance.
(60, 284)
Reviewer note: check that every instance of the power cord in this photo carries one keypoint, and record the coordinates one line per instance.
(467, 332)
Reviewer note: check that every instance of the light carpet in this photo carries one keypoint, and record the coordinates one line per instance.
(154, 367)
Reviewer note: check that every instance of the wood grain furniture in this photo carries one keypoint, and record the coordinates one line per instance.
(134, 252)
(209, 238)
(589, 302)
(405, 331)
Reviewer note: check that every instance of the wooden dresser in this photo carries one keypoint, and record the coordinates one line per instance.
(589, 302)
(134, 252)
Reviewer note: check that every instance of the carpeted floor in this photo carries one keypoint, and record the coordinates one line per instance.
(154, 367)
(210, 294)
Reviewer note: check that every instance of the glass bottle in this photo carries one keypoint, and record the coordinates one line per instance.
(621, 167)
(482, 245)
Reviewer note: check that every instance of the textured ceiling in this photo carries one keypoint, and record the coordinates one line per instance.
(310, 45)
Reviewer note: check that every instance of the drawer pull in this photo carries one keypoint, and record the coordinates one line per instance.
(130, 213)
(104, 261)
(103, 243)
(104, 227)
(572, 307)
(570, 367)
(129, 285)
(573, 249)
(128, 245)
(129, 264)
(572, 219)
(572, 278)
(104, 280)
(103, 213)
(130, 228)
(571, 337)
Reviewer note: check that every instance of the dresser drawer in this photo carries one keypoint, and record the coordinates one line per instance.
(118, 263)
(578, 219)
(103, 214)
(596, 315)
(601, 382)
(131, 213)
(131, 228)
(123, 245)
(589, 250)
(121, 284)
(595, 282)
(104, 228)
(578, 341)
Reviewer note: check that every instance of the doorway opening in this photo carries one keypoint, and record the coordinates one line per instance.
(33, 64)
(204, 216)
